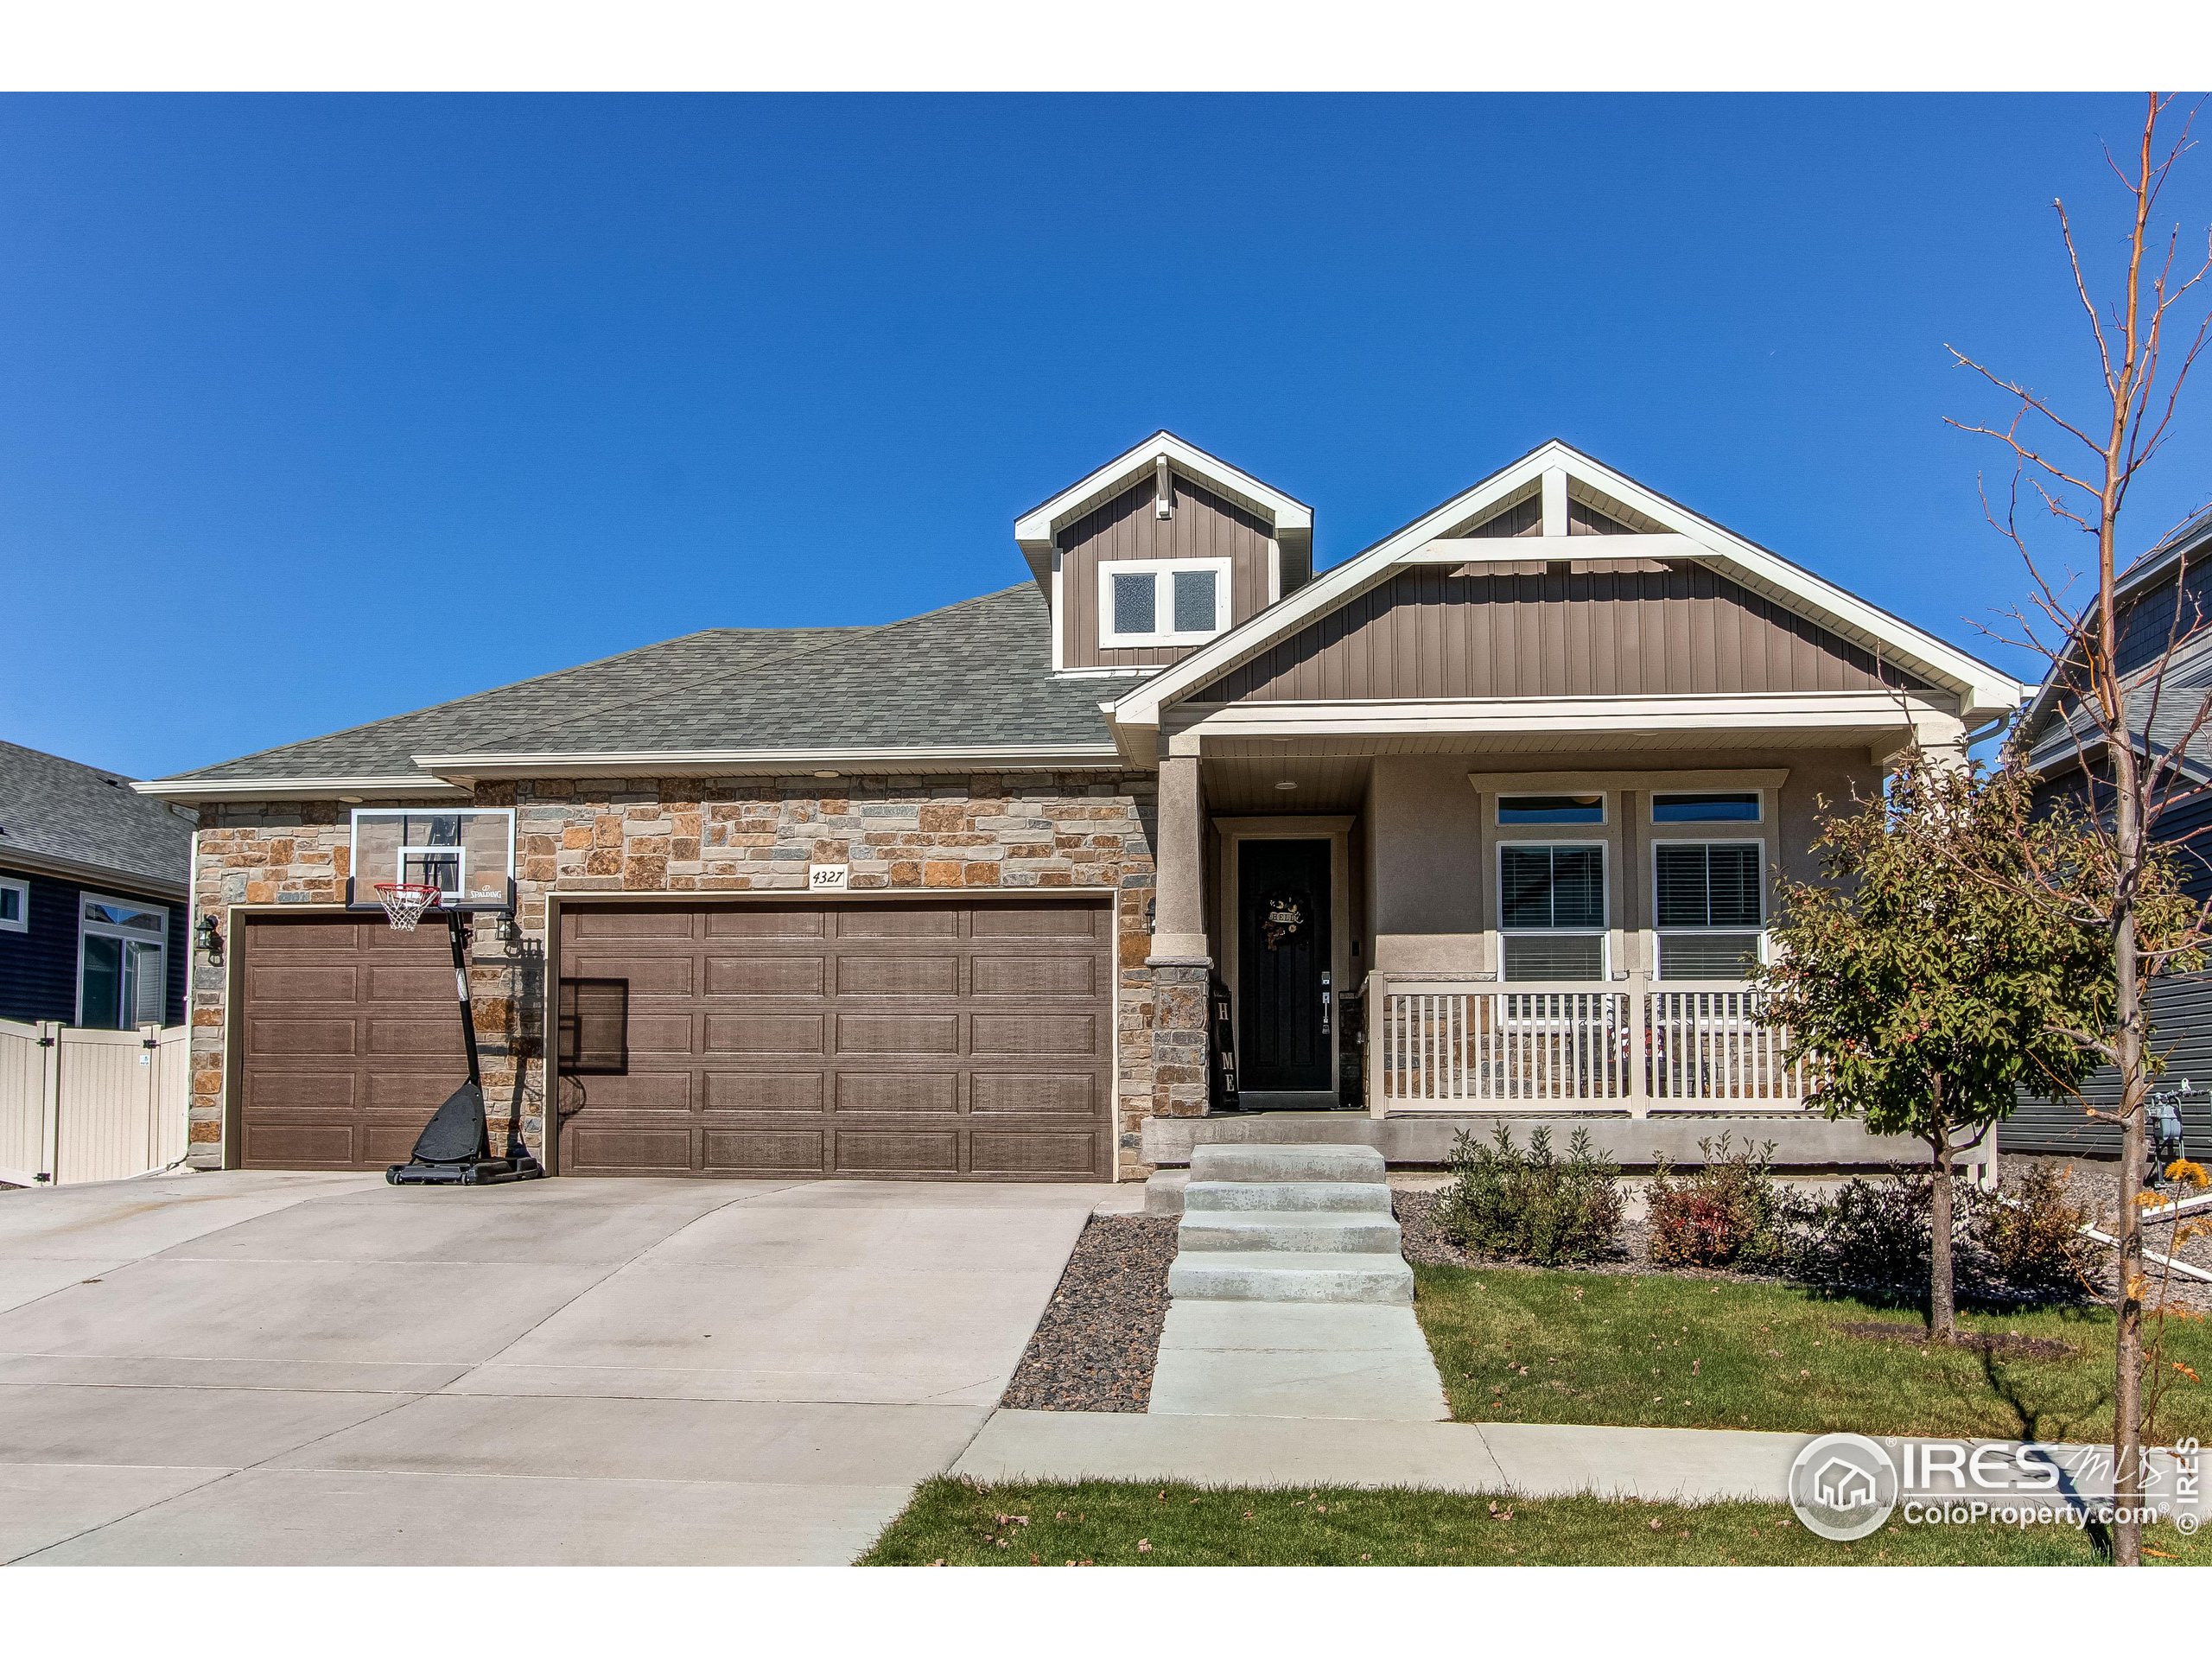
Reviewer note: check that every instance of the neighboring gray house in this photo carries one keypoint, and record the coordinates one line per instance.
(1480, 822)
(2166, 600)
(93, 910)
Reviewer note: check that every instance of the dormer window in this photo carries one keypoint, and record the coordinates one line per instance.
(1162, 601)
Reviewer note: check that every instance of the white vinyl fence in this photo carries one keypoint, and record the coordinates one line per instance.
(78, 1105)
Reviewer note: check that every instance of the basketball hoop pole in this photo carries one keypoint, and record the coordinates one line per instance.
(457, 931)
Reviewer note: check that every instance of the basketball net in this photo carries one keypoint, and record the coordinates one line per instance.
(405, 901)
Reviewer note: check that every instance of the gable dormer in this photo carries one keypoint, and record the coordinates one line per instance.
(1159, 551)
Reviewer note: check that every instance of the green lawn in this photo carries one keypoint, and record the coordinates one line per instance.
(1529, 1346)
(1110, 1524)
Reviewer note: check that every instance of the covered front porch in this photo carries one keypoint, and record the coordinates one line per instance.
(1469, 932)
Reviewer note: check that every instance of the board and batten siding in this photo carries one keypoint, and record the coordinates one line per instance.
(1205, 526)
(1433, 631)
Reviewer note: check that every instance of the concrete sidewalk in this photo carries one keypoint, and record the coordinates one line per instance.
(1691, 1465)
(1537, 1459)
(1357, 1360)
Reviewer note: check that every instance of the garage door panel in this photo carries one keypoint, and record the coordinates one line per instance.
(873, 976)
(1034, 975)
(670, 977)
(898, 1091)
(892, 1152)
(1029, 1152)
(402, 1034)
(422, 985)
(1038, 922)
(305, 981)
(797, 977)
(634, 1150)
(927, 1038)
(766, 1033)
(314, 1038)
(667, 1091)
(299, 1145)
(897, 1034)
(1036, 1033)
(765, 1152)
(764, 1091)
(1006, 1094)
(645, 922)
(417, 1092)
(895, 922)
(764, 922)
(298, 1091)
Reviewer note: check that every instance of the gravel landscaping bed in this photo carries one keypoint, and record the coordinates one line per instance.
(1095, 1348)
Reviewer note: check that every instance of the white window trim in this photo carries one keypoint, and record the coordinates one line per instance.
(88, 928)
(22, 891)
(1660, 934)
(1109, 569)
(1603, 934)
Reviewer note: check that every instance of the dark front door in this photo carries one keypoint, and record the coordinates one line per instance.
(1282, 956)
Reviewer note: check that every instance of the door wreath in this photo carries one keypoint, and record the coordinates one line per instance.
(1283, 916)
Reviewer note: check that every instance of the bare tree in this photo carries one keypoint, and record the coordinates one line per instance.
(2077, 472)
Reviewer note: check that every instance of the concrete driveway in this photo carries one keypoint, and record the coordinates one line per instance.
(263, 1369)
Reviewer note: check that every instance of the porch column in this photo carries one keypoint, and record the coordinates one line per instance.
(1181, 967)
(1178, 927)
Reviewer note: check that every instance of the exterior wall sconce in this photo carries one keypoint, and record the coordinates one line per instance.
(211, 940)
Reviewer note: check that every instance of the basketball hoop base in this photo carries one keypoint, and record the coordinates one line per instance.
(455, 1150)
(478, 1171)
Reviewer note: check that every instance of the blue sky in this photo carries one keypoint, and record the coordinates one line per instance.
(553, 377)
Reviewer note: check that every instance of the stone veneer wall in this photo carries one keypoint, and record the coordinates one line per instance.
(1027, 830)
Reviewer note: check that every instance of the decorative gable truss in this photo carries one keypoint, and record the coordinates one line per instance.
(1501, 614)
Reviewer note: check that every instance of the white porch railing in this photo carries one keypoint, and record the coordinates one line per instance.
(1479, 1044)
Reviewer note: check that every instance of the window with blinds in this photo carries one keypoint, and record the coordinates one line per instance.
(1708, 905)
(1551, 912)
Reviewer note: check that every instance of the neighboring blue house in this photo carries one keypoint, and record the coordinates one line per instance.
(2165, 603)
(95, 928)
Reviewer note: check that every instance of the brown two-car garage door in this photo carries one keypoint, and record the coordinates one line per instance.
(346, 1039)
(871, 1038)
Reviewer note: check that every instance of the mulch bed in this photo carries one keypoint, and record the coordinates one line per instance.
(1095, 1348)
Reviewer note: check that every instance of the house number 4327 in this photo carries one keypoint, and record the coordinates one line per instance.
(827, 878)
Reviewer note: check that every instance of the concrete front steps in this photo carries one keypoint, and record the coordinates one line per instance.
(1288, 1224)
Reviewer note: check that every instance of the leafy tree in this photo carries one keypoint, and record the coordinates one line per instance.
(1922, 984)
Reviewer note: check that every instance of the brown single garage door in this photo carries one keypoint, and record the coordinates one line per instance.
(874, 1038)
(347, 1040)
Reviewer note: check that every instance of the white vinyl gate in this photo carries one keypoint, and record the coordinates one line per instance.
(81, 1105)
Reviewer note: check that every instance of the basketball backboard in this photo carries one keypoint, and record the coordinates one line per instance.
(466, 853)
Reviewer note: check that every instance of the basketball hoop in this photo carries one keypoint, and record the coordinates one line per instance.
(405, 901)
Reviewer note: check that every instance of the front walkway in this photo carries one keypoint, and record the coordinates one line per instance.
(246, 1368)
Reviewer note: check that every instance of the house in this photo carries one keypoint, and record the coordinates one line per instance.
(1482, 822)
(92, 896)
(2166, 600)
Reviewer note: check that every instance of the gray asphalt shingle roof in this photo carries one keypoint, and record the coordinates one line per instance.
(51, 808)
(978, 673)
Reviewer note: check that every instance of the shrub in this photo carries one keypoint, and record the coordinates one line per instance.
(1871, 1233)
(1728, 1212)
(1532, 1206)
(2030, 1241)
